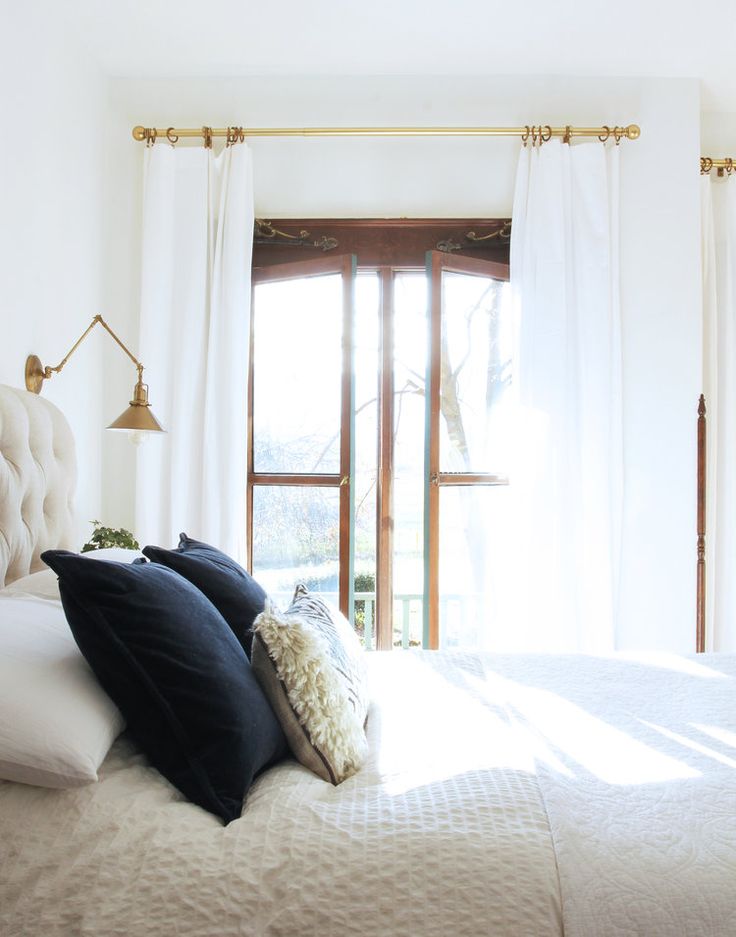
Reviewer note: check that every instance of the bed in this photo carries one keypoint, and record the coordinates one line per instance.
(505, 795)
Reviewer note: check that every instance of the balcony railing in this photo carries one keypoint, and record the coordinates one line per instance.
(407, 619)
(458, 613)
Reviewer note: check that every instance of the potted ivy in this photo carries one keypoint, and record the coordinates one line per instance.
(104, 537)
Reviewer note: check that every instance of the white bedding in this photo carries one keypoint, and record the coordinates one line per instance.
(642, 802)
(486, 774)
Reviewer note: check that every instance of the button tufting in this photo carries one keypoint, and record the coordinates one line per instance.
(37, 476)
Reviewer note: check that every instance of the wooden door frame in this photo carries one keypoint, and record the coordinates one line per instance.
(385, 468)
(384, 247)
(437, 264)
(345, 266)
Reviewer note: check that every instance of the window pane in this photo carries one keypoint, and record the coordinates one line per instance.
(296, 375)
(295, 539)
(473, 546)
(476, 374)
(410, 362)
(366, 334)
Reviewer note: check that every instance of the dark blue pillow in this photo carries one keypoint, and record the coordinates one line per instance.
(168, 659)
(233, 592)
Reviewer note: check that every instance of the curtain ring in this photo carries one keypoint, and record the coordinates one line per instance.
(604, 136)
(706, 164)
(729, 166)
(567, 135)
(151, 135)
(235, 135)
(545, 133)
(618, 134)
(207, 134)
(525, 135)
(171, 136)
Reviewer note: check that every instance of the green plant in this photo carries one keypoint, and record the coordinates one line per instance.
(364, 582)
(104, 537)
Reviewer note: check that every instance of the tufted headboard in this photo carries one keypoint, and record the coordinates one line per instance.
(38, 471)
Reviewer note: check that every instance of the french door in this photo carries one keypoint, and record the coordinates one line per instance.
(378, 432)
(301, 428)
(468, 447)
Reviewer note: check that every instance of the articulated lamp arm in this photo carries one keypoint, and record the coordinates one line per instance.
(138, 417)
(36, 373)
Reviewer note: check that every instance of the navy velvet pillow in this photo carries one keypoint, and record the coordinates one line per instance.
(233, 592)
(167, 658)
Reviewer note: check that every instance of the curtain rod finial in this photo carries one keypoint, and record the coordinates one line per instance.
(633, 131)
(139, 133)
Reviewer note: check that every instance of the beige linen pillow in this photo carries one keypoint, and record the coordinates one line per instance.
(311, 666)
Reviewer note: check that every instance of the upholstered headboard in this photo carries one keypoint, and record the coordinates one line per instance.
(38, 472)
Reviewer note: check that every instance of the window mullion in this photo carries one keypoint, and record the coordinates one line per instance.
(384, 487)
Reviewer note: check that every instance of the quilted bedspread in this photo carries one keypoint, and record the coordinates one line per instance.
(507, 796)
(639, 781)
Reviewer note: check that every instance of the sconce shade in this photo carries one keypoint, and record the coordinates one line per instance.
(138, 417)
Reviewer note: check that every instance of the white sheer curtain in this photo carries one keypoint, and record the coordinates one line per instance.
(567, 480)
(719, 387)
(194, 333)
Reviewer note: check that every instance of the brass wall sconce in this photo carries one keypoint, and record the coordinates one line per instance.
(137, 418)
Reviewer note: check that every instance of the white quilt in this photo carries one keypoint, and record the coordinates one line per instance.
(638, 770)
(442, 833)
(503, 796)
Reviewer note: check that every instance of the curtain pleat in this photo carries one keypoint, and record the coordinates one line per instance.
(567, 477)
(194, 328)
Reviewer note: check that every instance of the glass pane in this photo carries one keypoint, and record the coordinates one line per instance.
(366, 333)
(476, 374)
(410, 361)
(297, 363)
(296, 533)
(473, 539)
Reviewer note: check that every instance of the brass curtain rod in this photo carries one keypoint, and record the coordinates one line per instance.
(537, 133)
(707, 163)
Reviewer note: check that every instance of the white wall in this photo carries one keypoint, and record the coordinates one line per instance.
(718, 134)
(51, 109)
(662, 338)
(462, 177)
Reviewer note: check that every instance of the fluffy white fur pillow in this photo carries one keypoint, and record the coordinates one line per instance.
(311, 667)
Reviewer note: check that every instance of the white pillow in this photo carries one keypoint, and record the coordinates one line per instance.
(56, 722)
(45, 583)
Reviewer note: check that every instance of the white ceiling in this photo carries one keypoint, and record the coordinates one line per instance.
(193, 38)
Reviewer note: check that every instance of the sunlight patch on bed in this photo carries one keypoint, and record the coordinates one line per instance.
(692, 744)
(439, 730)
(716, 732)
(666, 661)
(577, 738)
